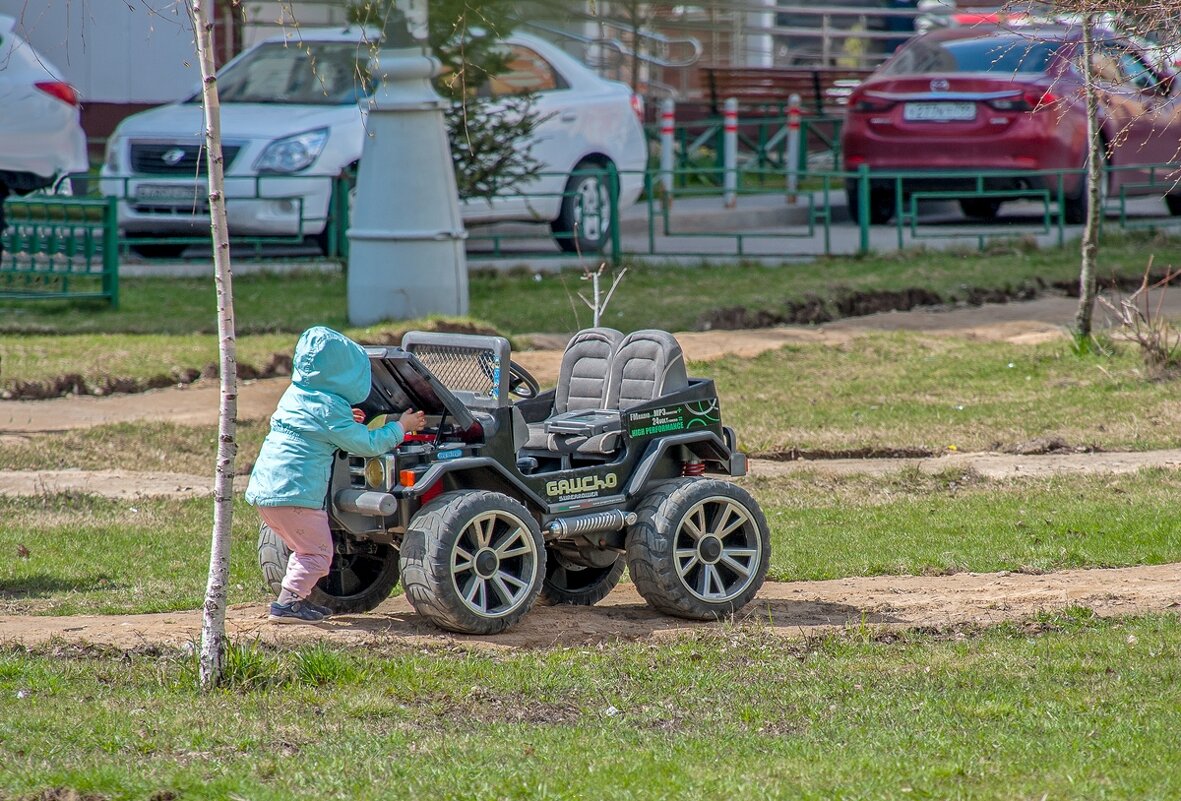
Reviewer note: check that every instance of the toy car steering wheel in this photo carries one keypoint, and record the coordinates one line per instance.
(521, 382)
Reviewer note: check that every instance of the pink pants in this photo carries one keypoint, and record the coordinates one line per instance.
(306, 533)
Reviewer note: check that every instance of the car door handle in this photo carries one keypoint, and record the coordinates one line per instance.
(569, 116)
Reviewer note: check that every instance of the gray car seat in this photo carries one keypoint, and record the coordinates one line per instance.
(646, 365)
(582, 378)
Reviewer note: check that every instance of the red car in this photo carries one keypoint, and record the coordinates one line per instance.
(995, 100)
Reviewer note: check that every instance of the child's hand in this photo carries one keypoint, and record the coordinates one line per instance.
(358, 416)
(412, 421)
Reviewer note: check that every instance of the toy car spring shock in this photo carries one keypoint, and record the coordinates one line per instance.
(694, 467)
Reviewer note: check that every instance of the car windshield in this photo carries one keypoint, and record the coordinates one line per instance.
(1009, 54)
(325, 74)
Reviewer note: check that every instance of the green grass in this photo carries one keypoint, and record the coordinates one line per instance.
(675, 298)
(167, 326)
(912, 523)
(92, 555)
(1065, 708)
(905, 390)
(88, 555)
(143, 447)
(879, 391)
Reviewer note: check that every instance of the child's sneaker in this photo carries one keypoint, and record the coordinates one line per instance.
(324, 611)
(295, 612)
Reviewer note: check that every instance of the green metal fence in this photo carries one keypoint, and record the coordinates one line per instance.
(60, 247)
(693, 221)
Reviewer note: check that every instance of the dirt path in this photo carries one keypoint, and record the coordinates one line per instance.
(791, 609)
(126, 484)
(797, 609)
(197, 404)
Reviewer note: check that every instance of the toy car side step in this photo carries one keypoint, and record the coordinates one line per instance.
(610, 520)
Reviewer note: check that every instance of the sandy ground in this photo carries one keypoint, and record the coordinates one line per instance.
(790, 609)
(796, 609)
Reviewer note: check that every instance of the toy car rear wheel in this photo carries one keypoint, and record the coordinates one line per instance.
(473, 562)
(567, 582)
(699, 549)
(361, 576)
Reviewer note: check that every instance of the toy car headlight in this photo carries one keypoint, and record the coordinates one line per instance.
(292, 153)
(381, 472)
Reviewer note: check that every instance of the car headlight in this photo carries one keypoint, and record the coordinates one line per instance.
(380, 472)
(292, 153)
(111, 157)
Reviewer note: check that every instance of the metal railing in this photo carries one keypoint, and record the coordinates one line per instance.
(60, 247)
(50, 253)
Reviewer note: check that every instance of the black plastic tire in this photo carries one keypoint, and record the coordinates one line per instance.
(321, 240)
(568, 583)
(980, 208)
(473, 562)
(584, 222)
(1074, 209)
(881, 203)
(158, 250)
(3, 218)
(699, 549)
(356, 582)
(1174, 204)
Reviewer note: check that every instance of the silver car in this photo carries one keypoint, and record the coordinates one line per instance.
(288, 130)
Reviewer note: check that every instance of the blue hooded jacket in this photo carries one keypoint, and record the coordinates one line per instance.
(329, 374)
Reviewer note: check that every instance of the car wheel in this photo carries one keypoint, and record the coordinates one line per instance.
(881, 203)
(361, 576)
(1174, 204)
(584, 221)
(1074, 209)
(3, 218)
(473, 562)
(570, 581)
(980, 208)
(322, 239)
(699, 549)
(158, 250)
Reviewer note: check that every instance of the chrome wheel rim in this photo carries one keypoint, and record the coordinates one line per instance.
(717, 549)
(494, 564)
(592, 209)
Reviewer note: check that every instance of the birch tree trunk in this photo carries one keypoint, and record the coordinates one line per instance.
(1095, 160)
(213, 624)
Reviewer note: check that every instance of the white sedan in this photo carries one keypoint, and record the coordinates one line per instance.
(288, 129)
(41, 139)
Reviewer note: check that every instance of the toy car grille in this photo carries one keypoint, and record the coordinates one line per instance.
(463, 369)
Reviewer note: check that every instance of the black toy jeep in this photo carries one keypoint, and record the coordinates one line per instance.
(499, 500)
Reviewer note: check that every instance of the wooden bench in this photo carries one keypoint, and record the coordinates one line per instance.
(765, 90)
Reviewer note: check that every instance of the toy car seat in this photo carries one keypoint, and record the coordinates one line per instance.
(646, 365)
(582, 378)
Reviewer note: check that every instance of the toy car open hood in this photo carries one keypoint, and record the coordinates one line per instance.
(401, 382)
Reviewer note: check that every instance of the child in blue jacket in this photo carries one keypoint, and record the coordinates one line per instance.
(289, 484)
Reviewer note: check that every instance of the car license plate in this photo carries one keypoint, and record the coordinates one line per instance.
(171, 194)
(939, 112)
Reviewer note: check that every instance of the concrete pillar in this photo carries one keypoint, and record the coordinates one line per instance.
(406, 256)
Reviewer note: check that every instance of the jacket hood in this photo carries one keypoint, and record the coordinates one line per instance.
(328, 361)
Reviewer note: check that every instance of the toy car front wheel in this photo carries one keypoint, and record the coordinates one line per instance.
(362, 574)
(473, 562)
(699, 549)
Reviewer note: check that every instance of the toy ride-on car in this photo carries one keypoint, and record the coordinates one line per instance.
(510, 494)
